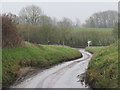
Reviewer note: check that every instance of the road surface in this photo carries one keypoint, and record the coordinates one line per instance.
(64, 75)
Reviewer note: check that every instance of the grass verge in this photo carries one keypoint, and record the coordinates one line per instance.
(103, 68)
(33, 55)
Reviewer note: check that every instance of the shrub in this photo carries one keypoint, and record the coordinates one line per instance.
(10, 35)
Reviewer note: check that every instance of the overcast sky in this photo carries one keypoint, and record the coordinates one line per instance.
(72, 10)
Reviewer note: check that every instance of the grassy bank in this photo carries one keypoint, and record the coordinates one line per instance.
(33, 55)
(94, 49)
(103, 68)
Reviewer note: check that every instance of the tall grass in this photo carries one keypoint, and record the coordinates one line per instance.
(103, 68)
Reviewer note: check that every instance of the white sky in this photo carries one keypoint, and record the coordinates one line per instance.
(72, 10)
(59, 0)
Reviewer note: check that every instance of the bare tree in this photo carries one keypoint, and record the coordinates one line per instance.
(30, 14)
(65, 23)
(14, 18)
(106, 19)
(45, 20)
(78, 22)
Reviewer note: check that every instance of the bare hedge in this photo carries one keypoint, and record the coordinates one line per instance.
(10, 35)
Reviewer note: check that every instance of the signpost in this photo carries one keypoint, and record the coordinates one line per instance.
(89, 42)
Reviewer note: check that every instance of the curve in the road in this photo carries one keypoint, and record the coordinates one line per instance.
(61, 76)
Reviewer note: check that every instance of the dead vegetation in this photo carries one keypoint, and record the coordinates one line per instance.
(10, 35)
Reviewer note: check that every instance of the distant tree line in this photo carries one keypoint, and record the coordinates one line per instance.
(37, 27)
(106, 19)
(34, 15)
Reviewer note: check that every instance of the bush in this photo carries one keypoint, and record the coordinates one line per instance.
(10, 35)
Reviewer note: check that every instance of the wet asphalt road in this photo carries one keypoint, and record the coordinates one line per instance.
(64, 75)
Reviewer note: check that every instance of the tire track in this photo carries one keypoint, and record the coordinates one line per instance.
(54, 77)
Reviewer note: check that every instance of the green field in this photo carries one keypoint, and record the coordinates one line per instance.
(33, 55)
(103, 68)
(94, 29)
(94, 49)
